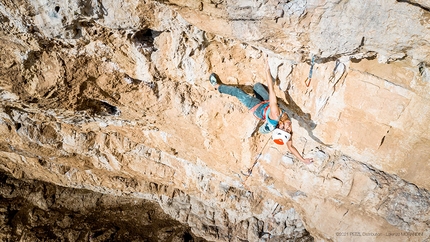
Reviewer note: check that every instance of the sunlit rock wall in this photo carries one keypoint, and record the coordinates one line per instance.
(370, 82)
(113, 97)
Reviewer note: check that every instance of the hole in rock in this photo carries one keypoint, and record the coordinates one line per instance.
(57, 9)
(98, 107)
(144, 38)
(187, 237)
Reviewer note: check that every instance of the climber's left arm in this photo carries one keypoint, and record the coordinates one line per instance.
(296, 153)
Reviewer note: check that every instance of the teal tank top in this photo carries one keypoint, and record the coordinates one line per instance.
(269, 124)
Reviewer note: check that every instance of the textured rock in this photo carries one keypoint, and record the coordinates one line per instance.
(36, 211)
(326, 28)
(114, 98)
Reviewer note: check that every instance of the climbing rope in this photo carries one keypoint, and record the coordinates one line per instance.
(255, 162)
(308, 80)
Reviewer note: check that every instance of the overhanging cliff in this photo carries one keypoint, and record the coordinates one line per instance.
(114, 97)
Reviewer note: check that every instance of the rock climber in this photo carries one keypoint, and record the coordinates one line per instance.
(265, 107)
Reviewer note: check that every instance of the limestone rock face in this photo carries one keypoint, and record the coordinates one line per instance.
(327, 28)
(45, 212)
(113, 97)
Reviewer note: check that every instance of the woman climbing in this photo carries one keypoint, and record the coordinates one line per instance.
(265, 107)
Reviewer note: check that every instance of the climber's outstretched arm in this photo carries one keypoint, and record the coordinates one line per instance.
(296, 153)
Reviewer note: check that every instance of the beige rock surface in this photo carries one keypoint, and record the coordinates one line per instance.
(113, 97)
(44, 212)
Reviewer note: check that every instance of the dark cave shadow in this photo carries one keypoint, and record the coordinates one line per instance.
(304, 119)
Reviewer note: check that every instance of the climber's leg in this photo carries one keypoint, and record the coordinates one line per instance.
(245, 99)
(261, 92)
(214, 80)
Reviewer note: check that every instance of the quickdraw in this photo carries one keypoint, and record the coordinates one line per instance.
(333, 74)
(308, 80)
(335, 70)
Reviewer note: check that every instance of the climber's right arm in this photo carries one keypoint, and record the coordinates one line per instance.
(273, 102)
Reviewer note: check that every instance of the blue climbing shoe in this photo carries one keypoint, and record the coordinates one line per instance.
(213, 78)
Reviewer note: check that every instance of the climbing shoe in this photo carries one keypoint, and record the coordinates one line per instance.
(213, 78)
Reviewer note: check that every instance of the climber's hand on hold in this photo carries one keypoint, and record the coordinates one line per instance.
(308, 161)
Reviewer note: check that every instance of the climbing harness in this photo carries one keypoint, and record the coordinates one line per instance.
(252, 110)
(308, 80)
